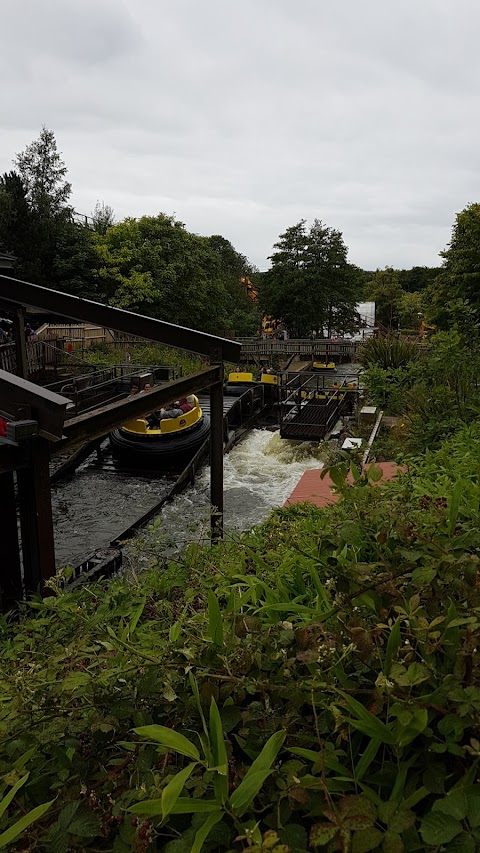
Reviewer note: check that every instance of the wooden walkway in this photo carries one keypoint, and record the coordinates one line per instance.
(313, 489)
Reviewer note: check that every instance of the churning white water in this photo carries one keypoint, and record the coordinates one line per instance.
(95, 506)
(259, 474)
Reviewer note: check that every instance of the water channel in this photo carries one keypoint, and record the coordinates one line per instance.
(96, 505)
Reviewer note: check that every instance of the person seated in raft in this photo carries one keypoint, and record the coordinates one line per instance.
(146, 387)
(133, 392)
(184, 405)
(170, 411)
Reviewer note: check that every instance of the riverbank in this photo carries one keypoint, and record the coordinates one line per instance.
(328, 626)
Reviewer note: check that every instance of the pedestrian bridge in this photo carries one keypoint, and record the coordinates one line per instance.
(324, 349)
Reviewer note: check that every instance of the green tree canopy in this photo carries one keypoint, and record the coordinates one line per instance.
(311, 286)
(153, 265)
(386, 291)
(43, 173)
(454, 296)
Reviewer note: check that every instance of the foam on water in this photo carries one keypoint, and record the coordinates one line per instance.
(259, 475)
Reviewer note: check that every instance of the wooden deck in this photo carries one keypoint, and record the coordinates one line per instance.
(313, 489)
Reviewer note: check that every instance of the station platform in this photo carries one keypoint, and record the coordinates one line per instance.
(313, 489)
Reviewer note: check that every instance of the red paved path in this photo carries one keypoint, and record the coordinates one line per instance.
(319, 492)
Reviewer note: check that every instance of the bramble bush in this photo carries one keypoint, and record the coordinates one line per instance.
(311, 685)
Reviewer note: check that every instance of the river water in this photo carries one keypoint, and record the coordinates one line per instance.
(95, 506)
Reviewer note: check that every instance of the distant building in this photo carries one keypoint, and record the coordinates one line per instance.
(367, 317)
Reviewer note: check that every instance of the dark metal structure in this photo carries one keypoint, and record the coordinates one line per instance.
(312, 403)
(48, 431)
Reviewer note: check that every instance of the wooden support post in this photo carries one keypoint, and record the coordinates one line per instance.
(216, 460)
(11, 588)
(36, 520)
(20, 344)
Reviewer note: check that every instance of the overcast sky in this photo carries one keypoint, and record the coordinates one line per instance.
(243, 117)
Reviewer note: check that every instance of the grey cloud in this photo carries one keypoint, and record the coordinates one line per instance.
(244, 118)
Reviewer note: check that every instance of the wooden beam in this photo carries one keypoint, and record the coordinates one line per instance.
(101, 421)
(12, 456)
(11, 587)
(20, 343)
(21, 293)
(216, 460)
(35, 505)
(21, 399)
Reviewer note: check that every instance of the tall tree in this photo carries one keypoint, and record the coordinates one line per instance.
(385, 290)
(43, 173)
(103, 217)
(311, 286)
(454, 296)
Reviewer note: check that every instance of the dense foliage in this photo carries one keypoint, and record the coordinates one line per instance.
(436, 389)
(151, 265)
(311, 286)
(312, 686)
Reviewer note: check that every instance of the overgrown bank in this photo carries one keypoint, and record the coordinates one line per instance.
(348, 635)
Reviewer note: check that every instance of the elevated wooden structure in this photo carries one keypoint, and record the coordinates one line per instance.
(32, 410)
(311, 349)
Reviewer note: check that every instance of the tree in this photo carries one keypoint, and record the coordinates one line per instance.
(43, 173)
(410, 307)
(311, 286)
(155, 266)
(103, 217)
(385, 290)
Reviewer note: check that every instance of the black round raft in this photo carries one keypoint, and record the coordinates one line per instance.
(168, 450)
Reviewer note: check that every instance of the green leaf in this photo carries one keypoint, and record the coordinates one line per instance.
(366, 840)
(392, 843)
(423, 576)
(367, 758)
(14, 831)
(437, 828)
(248, 789)
(322, 833)
(174, 632)
(460, 802)
(7, 799)
(74, 680)
(397, 818)
(215, 624)
(463, 843)
(219, 754)
(294, 836)
(375, 474)
(268, 754)
(203, 832)
(183, 805)
(130, 629)
(357, 812)
(393, 645)
(84, 824)
(172, 791)
(367, 722)
(169, 739)
(454, 505)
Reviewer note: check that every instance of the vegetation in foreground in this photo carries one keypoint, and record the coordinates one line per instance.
(313, 685)
(435, 387)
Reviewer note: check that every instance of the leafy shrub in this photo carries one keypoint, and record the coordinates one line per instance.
(390, 351)
(387, 387)
(349, 635)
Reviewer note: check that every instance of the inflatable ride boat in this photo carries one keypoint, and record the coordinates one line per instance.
(238, 383)
(169, 443)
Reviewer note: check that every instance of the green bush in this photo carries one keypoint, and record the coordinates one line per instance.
(387, 352)
(313, 685)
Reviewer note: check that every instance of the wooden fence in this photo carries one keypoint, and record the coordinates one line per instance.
(266, 349)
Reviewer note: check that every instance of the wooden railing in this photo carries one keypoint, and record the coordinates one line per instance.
(35, 354)
(305, 347)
